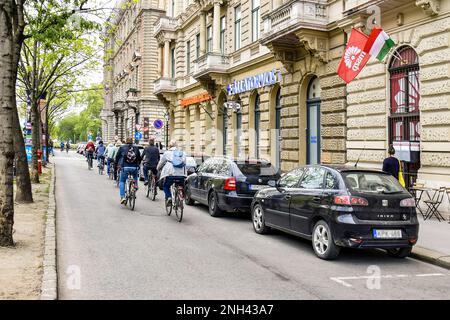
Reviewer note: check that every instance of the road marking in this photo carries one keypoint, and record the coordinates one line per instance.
(342, 280)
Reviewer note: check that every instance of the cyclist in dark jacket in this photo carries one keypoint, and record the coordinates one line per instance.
(151, 159)
(128, 158)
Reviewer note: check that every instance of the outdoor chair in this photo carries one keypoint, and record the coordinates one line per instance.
(434, 203)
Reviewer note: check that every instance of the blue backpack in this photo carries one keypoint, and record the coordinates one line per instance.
(177, 159)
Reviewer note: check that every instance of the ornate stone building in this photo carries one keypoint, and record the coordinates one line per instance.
(130, 70)
(214, 51)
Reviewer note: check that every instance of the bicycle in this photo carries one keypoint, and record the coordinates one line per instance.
(89, 160)
(177, 205)
(130, 191)
(119, 171)
(111, 171)
(101, 166)
(151, 187)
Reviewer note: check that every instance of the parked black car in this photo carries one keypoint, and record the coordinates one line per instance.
(225, 184)
(339, 207)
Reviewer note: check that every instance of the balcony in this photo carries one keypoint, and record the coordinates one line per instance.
(281, 23)
(165, 85)
(210, 63)
(165, 28)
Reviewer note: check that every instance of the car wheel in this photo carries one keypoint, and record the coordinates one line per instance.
(214, 210)
(323, 243)
(400, 253)
(259, 221)
(187, 196)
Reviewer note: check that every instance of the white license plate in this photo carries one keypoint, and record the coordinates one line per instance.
(257, 186)
(387, 234)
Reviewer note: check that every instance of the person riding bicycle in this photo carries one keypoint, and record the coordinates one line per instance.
(109, 156)
(89, 148)
(128, 158)
(151, 159)
(62, 145)
(67, 146)
(173, 168)
(100, 151)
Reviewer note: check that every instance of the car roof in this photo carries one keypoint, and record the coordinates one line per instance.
(347, 168)
(251, 161)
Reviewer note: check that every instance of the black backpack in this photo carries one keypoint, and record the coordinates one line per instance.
(130, 157)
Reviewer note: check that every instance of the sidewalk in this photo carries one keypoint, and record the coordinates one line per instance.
(434, 241)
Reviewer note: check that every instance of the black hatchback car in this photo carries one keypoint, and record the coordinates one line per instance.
(229, 185)
(339, 207)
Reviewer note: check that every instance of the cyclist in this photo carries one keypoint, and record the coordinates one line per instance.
(67, 146)
(109, 156)
(173, 168)
(100, 151)
(90, 148)
(62, 144)
(128, 158)
(151, 159)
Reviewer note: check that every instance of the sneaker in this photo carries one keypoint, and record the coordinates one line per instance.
(123, 200)
(146, 183)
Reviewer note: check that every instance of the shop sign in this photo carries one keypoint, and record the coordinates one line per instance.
(195, 99)
(262, 80)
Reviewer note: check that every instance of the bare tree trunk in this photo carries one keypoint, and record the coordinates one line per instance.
(23, 181)
(35, 120)
(6, 130)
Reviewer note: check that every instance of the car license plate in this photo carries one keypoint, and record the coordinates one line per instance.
(387, 234)
(257, 186)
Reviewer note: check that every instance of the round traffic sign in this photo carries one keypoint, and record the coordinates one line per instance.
(158, 123)
(138, 135)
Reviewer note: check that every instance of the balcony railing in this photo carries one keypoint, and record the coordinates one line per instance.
(165, 24)
(294, 15)
(165, 85)
(211, 62)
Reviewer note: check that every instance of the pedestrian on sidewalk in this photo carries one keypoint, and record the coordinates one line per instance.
(393, 166)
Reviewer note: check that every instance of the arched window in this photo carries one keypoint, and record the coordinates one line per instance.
(257, 127)
(404, 119)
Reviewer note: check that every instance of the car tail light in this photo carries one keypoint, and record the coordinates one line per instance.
(350, 201)
(230, 184)
(408, 202)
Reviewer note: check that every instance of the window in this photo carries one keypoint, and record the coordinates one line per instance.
(173, 63)
(188, 57)
(172, 8)
(372, 182)
(209, 36)
(278, 129)
(257, 120)
(225, 131)
(222, 34)
(238, 132)
(222, 168)
(237, 28)
(331, 182)
(197, 45)
(255, 19)
(313, 178)
(291, 179)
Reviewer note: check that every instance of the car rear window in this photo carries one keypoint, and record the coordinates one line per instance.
(257, 169)
(371, 182)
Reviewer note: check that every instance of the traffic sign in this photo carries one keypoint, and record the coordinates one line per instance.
(138, 135)
(158, 123)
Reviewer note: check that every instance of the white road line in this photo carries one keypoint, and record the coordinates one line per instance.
(340, 280)
(345, 284)
(430, 275)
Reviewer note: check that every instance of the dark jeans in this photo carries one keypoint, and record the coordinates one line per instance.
(109, 164)
(147, 169)
(168, 181)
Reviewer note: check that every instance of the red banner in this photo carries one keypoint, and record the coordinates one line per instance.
(354, 58)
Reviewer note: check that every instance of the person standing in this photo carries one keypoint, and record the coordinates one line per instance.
(128, 158)
(392, 165)
(151, 159)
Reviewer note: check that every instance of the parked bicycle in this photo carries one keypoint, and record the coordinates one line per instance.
(177, 205)
(152, 187)
(130, 191)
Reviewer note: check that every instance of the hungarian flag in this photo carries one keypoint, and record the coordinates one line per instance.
(355, 58)
(379, 44)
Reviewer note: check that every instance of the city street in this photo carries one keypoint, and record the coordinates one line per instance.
(106, 251)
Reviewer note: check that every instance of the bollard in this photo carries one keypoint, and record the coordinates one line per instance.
(39, 156)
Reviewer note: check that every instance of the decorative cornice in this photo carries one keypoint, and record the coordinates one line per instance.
(430, 7)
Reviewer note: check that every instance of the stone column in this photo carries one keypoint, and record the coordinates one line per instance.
(216, 27)
(166, 58)
(202, 33)
(160, 71)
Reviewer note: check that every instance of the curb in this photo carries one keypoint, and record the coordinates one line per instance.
(49, 288)
(431, 256)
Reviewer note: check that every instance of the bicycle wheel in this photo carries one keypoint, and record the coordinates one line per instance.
(168, 208)
(132, 199)
(153, 191)
(179, 207)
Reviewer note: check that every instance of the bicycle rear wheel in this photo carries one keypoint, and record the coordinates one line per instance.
(153, 189)
(168, 208)
(179, 207)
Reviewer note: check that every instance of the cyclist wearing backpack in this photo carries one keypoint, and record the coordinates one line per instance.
(100, 151)
(173, 168)
(128, 158)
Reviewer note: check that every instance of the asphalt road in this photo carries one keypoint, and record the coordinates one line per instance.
(106, 251)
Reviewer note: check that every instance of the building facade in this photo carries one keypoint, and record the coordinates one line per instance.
(278, 61)
(129, 72)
